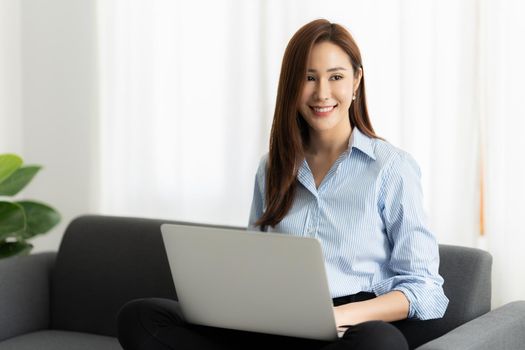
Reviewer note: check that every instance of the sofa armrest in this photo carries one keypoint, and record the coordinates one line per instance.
(24, 293)
(502, 328)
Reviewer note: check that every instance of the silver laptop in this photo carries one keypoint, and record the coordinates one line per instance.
(252, 281)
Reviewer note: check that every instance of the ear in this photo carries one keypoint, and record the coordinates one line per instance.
(357, 79)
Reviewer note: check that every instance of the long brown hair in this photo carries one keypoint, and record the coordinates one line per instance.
(289, 132)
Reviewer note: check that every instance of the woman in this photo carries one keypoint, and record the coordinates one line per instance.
(327, 175)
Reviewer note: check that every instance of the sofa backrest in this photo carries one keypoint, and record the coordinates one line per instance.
(467, 273)
(102, 263)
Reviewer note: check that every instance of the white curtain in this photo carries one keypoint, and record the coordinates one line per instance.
(503, 116)
(184, 108)
(188, 91)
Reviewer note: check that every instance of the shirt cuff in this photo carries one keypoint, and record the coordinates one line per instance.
(426, 301)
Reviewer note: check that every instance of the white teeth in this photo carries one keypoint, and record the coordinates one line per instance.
(323, 109)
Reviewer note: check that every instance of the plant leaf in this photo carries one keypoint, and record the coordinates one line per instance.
(12, 218)
(40, 218)
(18, 180)
(8, 165)
(8, 249)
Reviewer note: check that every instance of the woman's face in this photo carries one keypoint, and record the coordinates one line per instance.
(328, 89)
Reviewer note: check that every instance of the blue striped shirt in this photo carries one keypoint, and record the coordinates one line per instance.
(368, 215)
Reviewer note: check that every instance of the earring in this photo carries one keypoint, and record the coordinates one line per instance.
(353, 97)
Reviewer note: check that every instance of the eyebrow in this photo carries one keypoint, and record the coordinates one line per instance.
(310, 70)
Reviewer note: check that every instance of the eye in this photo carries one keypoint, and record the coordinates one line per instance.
(310, 78)
(336, 77)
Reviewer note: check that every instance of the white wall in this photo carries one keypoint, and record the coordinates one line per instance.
(10, 77)
(59, 98)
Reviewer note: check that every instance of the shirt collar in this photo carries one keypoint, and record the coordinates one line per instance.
(362, 142)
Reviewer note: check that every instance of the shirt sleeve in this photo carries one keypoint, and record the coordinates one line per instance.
(257, 207)
(414, 249)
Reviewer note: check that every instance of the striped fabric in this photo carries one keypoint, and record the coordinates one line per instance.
(368, 215)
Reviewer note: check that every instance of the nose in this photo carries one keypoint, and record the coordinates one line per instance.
(322, 92)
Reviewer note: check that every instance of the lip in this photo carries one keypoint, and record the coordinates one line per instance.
(322, 111)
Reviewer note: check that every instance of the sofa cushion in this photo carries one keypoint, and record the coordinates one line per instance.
(60, 340)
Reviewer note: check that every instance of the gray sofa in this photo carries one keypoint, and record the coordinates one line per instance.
(70, 299)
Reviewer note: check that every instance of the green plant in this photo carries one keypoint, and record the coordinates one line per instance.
(20, 220)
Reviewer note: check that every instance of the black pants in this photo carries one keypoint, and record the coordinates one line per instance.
(156, 324)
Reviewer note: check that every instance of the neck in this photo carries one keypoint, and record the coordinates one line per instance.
(329, 143)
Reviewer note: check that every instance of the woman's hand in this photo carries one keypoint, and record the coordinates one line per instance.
(347, 315)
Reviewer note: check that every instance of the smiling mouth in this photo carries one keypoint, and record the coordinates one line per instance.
(322, 110)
